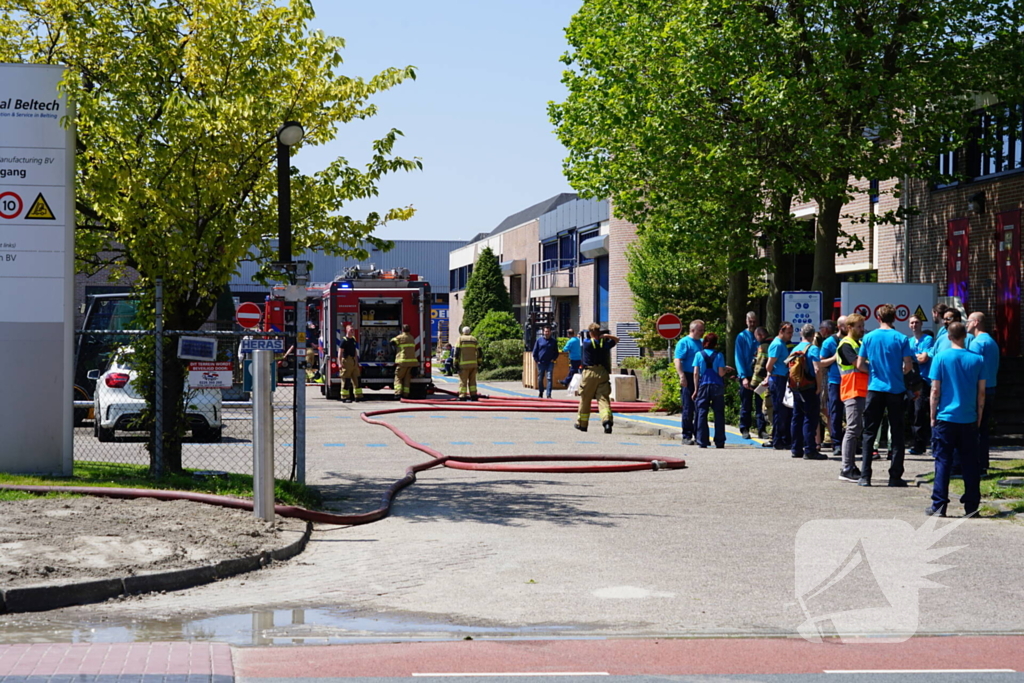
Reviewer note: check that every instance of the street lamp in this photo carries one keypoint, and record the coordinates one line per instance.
(288, 135)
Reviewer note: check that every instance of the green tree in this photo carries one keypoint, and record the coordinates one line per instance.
(177, 105)
(485, 291)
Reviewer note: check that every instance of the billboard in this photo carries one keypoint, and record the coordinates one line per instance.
(438, 324)
(909, 299)
(37, 217)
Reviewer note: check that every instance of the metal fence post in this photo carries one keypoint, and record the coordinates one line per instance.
(158, 380)
(300, 391)
(262, 436)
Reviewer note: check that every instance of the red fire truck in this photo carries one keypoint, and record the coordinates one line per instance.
(376, 303)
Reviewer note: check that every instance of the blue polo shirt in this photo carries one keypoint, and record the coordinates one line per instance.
(779, 350)
(940, 344)
(884, 351)
(746, 348)
(959, 371)
(922, 345)
(700, 362)
(574, 348)
(985, 346)
(813, 354)
(827, 350)
(686, 348)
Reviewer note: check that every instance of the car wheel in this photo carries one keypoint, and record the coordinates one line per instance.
(104, 434)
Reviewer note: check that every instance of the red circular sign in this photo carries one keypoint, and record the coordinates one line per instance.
(248, 315)
(877, 309)
(863, 310)
(669, 325)
(902, 312)
(10, 205)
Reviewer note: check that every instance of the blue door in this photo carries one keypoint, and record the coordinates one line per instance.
(601, 295)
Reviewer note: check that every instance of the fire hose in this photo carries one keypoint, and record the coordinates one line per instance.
(501, 463)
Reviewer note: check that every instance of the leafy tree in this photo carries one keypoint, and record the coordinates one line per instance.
(177, 105)
(485, 290)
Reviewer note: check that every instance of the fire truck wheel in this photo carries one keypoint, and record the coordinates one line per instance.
(333, 393)
(418, 392)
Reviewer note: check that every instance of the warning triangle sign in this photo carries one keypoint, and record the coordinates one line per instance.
(919, 314)
(40, 210)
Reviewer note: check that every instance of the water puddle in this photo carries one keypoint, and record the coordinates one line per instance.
(317, 626)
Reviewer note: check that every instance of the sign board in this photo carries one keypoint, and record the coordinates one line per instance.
(669, 325)
(203, 375)
(438, 323)
(275, 345)
(248, 315)
(910, 300)
(247, 376)
(37, 210)
(801, 308)
(197, 348)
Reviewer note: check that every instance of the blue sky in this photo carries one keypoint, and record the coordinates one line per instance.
(476, 115)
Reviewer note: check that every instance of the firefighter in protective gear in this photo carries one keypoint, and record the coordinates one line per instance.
(405, 361)
(467, 355)
(350, 369)
(597, 364)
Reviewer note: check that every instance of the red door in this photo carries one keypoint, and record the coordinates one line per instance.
(957, 258)
(1007, 332)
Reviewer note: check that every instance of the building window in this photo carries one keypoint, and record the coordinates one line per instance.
(458, 277)
(567, 249)
(999, 141)
(873, 191)
(583, 237)
(549, 254)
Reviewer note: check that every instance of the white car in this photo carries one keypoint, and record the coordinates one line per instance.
(117, 404)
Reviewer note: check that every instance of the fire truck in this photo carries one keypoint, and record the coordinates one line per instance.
(376, 303)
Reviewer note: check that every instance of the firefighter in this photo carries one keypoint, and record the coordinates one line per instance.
(350, 370)
(405, 361)
(467, 354)
(597, 364)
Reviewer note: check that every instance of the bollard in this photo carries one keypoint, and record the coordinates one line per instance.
(262, 436)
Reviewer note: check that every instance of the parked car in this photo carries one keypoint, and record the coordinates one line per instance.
(117, 405)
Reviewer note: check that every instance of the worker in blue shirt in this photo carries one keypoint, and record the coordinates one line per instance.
(709, 369)
(575, 350)
(806, 404)
(545, 352)
(686, 349)
(957, 404)
(744, 351)
(920, 346)
(832, 333)
(981, 343)
(778, 379)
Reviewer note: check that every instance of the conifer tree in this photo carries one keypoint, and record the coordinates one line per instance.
(485, 290)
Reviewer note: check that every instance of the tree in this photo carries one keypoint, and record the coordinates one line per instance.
(498, 326)
(485, 290)
(177, 105)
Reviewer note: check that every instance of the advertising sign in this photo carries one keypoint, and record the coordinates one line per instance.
(215, 375)
(37, 199)
(910, 300)
(438, 324)
(801, 308)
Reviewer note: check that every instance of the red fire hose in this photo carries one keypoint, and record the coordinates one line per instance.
(607, 463)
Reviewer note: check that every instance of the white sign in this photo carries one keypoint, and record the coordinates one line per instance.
(801, 308)
(276, 345)
(909, 300)
(210, 375)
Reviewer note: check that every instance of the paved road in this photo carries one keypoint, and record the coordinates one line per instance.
(710, 550)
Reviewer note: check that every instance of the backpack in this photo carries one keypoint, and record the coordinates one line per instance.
(800, 378)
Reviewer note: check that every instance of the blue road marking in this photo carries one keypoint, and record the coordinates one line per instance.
(563, 418)
(500, 417)
(435, 417)
(531, 418)
(503, 443)
(461, 443)
(671, 445)
(334, 445)
(732, 436)
(377, 445)
(343, 417)
(628, 443)
(544, 442)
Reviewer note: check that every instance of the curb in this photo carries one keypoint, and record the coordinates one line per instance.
(43, 598)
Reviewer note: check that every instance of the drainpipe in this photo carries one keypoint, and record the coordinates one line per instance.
(905, 207)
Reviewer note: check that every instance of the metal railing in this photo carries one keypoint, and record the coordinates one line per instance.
(553, 273)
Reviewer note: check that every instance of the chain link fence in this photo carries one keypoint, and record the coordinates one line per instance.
(112, 369)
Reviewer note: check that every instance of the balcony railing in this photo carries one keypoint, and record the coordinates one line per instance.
(552, 274)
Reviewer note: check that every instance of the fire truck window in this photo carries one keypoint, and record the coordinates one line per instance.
(379, 323)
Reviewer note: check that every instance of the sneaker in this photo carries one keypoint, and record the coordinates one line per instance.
(875, 455)
(855, 472)
(933, 511)
(745, 433)
(815, 456)
(763, 434)
(795, 455)
(767, 444)
(837, 452)
(690, 442)
(897, 484)
(849, 475)
(863, 481)
(607, 427)
(916, 451)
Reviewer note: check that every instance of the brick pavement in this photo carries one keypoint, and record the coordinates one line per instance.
(116, 663)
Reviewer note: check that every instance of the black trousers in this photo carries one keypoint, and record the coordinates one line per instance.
(880, 403)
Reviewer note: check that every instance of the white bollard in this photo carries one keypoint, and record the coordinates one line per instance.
(262, 436)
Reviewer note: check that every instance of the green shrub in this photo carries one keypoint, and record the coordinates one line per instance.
(511, 373)
(497, 326)
(668, 397)
(505, 353)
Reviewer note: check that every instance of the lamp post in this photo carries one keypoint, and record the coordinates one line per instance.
(288, 135)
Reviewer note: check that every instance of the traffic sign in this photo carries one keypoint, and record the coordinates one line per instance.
(669, 325)
(902, 312)
(275, 345)
(248, 315)
(863, 311)
(10, 205)
(40, 210)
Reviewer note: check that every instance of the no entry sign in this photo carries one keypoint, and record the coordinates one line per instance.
(248, 315)
(669, 326)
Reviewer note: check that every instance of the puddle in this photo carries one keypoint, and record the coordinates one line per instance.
(318, 626)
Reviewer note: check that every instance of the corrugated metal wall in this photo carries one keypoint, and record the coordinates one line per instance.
(426, 258)
(575, 214)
